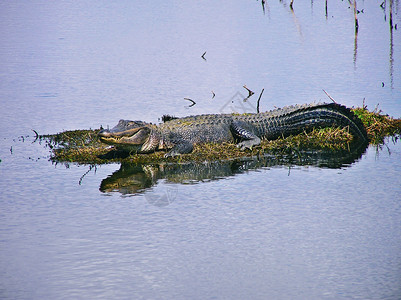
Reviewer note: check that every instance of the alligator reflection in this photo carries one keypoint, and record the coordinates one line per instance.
(137, 178)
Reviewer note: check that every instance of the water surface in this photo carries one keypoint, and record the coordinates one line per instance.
(271, 230)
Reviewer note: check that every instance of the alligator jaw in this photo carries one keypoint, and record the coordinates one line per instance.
(127, 133)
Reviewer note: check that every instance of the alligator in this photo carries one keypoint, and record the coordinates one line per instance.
(179, 135)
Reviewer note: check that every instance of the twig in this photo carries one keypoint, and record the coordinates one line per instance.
(356, 18)
(36, 135)
(331, 98)
(249, 91)
(86, 173)
(203, 55)
(193, 102)
(292, 1)
(214, 95)
(260, 96)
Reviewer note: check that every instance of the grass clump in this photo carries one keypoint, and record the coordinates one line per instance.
(83, 146)
(378, 125)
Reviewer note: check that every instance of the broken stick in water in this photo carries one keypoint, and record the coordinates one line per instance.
(193, 102)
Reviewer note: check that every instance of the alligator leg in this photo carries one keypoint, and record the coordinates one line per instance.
(182, 147)
(248, 138)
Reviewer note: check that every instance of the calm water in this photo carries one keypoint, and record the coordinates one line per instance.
(315, 229)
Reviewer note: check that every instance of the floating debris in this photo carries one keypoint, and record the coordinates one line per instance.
(193, 102)
(250, 93)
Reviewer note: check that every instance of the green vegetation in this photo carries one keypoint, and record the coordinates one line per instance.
(83, 146)
(378, 126)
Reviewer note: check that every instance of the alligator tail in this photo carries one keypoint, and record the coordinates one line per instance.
(317, 116)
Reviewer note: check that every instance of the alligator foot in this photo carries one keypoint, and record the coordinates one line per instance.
(181, 147)
(248, 144)
(242, 131)
(172, 154)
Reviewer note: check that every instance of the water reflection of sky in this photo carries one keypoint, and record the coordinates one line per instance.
(288, 232)
(141, 60)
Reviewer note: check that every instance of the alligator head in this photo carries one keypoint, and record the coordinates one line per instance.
(132, 134)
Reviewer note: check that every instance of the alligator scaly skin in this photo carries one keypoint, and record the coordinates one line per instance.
(181, 134)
